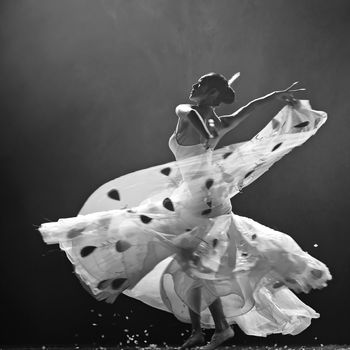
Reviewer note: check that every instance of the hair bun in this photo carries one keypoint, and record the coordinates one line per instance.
(227, 95)
(220, 83)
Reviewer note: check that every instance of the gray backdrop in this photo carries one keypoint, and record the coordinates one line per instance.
(88, 91)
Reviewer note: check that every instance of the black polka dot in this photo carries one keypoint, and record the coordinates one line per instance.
(302, 125)
(114, 194)
(122, 246)
(227, 154)
(291, 280)
(244, 254)
(87, 251)
(75, 233)
(166, 171)
(103, 284)
(145, 219)
(278, 284)
(188, 229)
(168, 204)
(276, 146)
(118, 282)
(248, 173)
(316, 273)
(209, 204)
(209, 183)
(131, 211)
(215, 242)
(254, 236)
(206, 211)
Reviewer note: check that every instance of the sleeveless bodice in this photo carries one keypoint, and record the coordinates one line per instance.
(181, 152)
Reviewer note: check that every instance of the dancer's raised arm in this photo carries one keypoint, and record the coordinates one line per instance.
(233, 120)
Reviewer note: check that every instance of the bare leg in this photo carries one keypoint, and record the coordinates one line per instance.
(218, 315)
(197, 337)
(223, 331)
(195, 297)
(195, 320)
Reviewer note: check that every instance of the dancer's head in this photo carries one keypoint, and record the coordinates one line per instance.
(212, 89)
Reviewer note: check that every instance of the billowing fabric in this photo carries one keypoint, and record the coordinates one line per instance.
(159, 233)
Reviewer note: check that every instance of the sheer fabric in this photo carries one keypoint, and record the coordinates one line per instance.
(157, 233)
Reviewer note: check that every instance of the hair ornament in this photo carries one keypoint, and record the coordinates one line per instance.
(233, 78)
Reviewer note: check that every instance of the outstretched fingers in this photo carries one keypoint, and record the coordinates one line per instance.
(296, 90)
(290, 87)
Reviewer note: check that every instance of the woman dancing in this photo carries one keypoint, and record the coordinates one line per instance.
(199, 125)
(166, 235)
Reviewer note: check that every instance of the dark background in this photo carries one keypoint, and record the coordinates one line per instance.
(88, 91)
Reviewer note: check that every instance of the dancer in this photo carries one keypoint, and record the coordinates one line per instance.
(199, 124)
(166, 235)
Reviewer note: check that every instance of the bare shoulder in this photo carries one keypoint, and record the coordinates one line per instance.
(183, 110)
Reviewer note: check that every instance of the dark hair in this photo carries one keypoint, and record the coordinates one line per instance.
(219, 82)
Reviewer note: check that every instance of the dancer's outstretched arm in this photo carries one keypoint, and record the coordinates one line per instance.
(231, 121)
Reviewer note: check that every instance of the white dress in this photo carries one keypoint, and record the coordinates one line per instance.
(156, 233)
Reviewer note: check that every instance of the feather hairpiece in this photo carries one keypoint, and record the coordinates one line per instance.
(233, 78)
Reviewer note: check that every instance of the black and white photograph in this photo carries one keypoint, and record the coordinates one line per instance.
(175, 174)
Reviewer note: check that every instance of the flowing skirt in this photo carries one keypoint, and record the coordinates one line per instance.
(159, 233)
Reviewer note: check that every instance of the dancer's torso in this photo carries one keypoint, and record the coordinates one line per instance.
(181, 152)
(187, 135)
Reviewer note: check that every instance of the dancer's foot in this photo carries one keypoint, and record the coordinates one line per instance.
(196, 339)
(218, 338)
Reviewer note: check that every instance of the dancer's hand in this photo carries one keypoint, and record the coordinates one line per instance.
(287, 95)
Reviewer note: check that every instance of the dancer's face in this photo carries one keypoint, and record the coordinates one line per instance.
(201, 92)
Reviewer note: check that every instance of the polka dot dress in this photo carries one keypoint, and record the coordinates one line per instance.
(158, 233)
